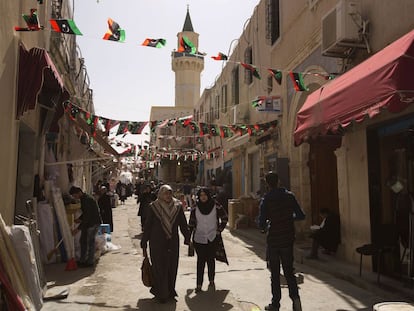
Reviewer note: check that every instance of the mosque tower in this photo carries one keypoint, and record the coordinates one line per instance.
(187, 68)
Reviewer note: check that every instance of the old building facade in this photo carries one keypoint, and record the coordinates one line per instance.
(348, 167)
(41, 70)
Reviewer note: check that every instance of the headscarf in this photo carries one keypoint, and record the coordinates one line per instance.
(205, 207)
(166, 211)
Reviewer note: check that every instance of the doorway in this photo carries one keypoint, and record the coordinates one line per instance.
(391, 190)
(323, 176)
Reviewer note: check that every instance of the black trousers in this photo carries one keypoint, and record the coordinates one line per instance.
(205, 254)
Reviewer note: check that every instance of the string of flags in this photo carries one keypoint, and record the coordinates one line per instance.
(134, 127)
(116, 33)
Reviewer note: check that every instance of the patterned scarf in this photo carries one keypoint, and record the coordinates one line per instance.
(166, 212)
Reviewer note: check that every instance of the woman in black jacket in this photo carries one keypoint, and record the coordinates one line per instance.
(207, 220)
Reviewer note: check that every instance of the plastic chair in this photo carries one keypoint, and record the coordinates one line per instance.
(386, 242)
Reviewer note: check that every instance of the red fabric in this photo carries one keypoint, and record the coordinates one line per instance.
(36, 70)
(382, 81)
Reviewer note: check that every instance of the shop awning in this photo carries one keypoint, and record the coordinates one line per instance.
(383, 81)
(98, 137)
(38, 76)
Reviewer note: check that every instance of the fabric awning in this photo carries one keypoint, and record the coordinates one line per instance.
(98, 137)
(383, 81)
(38, 75)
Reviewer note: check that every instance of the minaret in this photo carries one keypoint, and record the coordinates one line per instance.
(187, 68)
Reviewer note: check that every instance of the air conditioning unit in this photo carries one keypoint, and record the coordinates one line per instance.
(240, 114)
(341, 28)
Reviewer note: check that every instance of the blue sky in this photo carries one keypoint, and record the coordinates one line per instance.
(127, 78)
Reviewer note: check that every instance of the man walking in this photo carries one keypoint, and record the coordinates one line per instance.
(277, 211)
(89, 223)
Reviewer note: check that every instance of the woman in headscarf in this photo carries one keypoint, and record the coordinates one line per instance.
(207, 220)
(164, 217)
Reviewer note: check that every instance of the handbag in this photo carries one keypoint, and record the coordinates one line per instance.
(220, 250)
(190, 250)
(146, 272)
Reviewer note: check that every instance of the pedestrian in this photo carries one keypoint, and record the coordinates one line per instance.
(165, 216)
(277, 211)
(105, 207)
(89, 222)
(144, 200)
(187, 188)
(327, 234)
(207, 220)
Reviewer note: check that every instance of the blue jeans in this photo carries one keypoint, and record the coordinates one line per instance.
(87, 243)
(284, 256)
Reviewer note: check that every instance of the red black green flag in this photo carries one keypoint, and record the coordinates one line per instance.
(277, 74)
(252, 69)
(220, 56)
(298, 83)
(114, 33)
(154, 43)
(32, 22)
(65, 26)
(186, 46)
(136, 127)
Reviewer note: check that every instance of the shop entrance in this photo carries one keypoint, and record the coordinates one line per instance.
(391, 191)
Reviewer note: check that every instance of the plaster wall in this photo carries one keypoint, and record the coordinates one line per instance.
(352, 166)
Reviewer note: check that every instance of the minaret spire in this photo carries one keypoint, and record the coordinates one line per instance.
(188, 25)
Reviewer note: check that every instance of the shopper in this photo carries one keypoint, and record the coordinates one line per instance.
(164, 217)
(89, 222)
(105, 207)
(207, 220)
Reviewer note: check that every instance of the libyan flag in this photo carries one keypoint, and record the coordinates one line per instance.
(114, 33)
(186, 46)
(154, 43)
(65, 26)
(220, 56)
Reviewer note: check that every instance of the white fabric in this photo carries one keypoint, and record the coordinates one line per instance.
(22, 242)
(45, 223)
(206, 229)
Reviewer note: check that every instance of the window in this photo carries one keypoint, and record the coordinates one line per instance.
(217, 107)
(269, 84)
(248, 59)
(272, 21)
(224, 98)
(235, 86)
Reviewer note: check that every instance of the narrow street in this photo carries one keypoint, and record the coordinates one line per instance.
(115, 283)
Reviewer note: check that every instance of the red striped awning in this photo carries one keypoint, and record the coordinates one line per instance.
(383, 81)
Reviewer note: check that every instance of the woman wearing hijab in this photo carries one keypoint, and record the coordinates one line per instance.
(207, 219)
(164, 217)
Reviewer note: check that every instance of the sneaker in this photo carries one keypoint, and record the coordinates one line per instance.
(297, 305)
(271, 307)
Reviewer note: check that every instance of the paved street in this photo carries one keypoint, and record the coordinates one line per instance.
(243, 285)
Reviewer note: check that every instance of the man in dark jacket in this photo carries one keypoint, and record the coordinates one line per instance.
(277, 211)
(89, 223)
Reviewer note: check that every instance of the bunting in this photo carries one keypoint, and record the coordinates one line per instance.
(276, 74)
(67, 26)
(220, 56)
(186, 46)
(252, 69)
(298, 83)
(114, 33)
(32, 22)
(154, 43)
